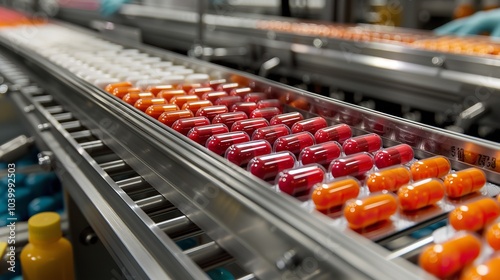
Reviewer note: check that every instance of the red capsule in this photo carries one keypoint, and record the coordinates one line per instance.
(169, 94)
(220, 142)
(299, 181)
(271, 133)
(288, 119)
(354, 165)
(399, 154)
(294, 142)
(322, 153)
(200, 134)
(266, 167)
(200, 91)
(310, 125)
(183, 99)
(240, 154)
(229, 118)
(254, 97)
(266, 113)
(338, 133)
(270, 103)
(228, 87)
(132, 97)
(249, 125)
(227, 101)
(143, 103)
(213, 96)
(241, 92)
(246, 107)
(169, 118)
(183, 126)
(363, 143)
(194, 106)
(211, 111)
(156, 110)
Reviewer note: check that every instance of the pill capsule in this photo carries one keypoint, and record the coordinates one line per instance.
(353, 165)
(270, 103)
(364, 143)
(213, 96)
(474, 215)
(194, 106)
(158, 88)
(434, 167)
(240, 154)
(143, 103)
(311, 125)
(183, 126)
(188, 87)
(120, 92)
(211, 111)
(445, 259)
(132, 97)
(420, 194)
(266, 113)
(169, 118)
(246, 107)
(215, 83)
(220, 142)
(229, 118)
(322, 153)
(489, 270)
(300, 180)
(156, 110)
(464, 182)
(227, 87)
(266, 167)
(241, 92)
(227, 101)
(361, 213)
(254, 97)
(183, 99)
(169, 94)
(390, 179)
(294, 143)
(288, 119)
(271, 133)
(333, 194)
(109, 88)
(399, 154)
(200, 134)
(338, 133)
(200, 91)
(493, 236)
(249, 125)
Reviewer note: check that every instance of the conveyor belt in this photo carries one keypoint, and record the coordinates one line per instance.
(156, 172)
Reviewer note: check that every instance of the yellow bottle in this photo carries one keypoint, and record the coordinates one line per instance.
(48, 255)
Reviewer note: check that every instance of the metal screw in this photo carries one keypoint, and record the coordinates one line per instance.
(289, 260)
(29, 108)
(46, 160)
(43, 126)
(438, 60)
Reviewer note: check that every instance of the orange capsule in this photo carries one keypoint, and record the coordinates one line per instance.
(489, 270)
(328, 195)
(169, 118)
(464, 182)
(158, 88)
(180, 100)
(434, 167)
(132, 97)
(390, 179)
(195, 105)
(156, 110)
(188, 87)
(120, 92)
(143, 103)
(109, 88)
(444, 260)
(361, 213)
(420, 194)
(475, 215)
(200, 91)
(169, 94)
(493, 236)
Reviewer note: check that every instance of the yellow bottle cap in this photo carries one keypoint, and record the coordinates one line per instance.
(44, 227)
